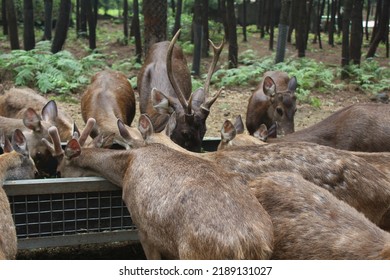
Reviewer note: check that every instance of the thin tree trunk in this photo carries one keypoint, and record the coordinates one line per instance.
(4, 17)
(232, 24)
(283, 31)
(368, 18)
(224, 18)
(135, 26)
(126, 21)
(83, 18)
(91, 24)
(61, 26)
(332, 23)
(197, 31)
(12, 25)
(177, 25)
(356, 31)
(48, 19)
(205, 28)
(244, 15)
(301, 28)
(28, 26)
(383, 30)
(271, 24)
(345, 52)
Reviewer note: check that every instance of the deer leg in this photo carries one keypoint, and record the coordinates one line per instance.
(150, 251)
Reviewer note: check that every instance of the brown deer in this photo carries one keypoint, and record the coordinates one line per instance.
(184, 207)
(164, 85)
(348, 177)
(311, 223)
(15, 164)
(233, 135)
(273, 102)
(358, 127)
(34, 128)
(15, 101)
(110, 97)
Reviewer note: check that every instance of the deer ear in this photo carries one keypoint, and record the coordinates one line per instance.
(171, 125)
(32, 120)
(50, 111)
(228, 132)
(198, 97)
(19, 142)
(239, 125)
(72, 149)
(269, 87)
(292, 84)
(5, 143)
(261, 133)
(160, 102)
(145, 126)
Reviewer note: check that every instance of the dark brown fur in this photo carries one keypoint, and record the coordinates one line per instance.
(310, 223)
(273, 102)
(109, 97)
(358, 127)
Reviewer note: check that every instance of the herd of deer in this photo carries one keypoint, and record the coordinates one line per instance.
(319, 193)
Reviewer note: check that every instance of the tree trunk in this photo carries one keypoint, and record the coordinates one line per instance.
(345, 52)
(356, 31)
(12, 25)
(48, 19)
(126, 21)
(205, 28)
(28, 26)
(382, 31)
(224, 18)
(62, 26)
(83, 18)
(135, 27)
(155, 22)
(232, 26)
(271, 23)
(301, 28)
(91, 24)
(244, 20)
(197, 31)
(367, 18)
(4, 17)
(283, 31)
(332, 23)
(177, 25)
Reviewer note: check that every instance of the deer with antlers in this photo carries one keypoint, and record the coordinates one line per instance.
(164, 85)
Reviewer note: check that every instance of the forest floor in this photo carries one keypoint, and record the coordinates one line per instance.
(234, 101)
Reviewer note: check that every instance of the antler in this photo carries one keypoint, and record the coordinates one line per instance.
(217, 52)
(171, 78)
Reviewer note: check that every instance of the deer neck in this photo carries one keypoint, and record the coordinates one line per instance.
(111, 164)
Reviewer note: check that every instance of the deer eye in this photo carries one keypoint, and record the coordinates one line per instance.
(279, 111)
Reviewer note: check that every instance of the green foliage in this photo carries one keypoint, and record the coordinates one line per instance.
(57, 73)
(371, 78)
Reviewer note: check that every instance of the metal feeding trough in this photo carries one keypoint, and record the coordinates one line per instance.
(71, 211)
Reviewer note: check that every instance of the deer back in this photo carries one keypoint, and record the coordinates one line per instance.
(184, 207)
(15, 101)
(273, 102)
(164, 85)
(109, 97)
(346, 176)
(311, 223)
(358, 127)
